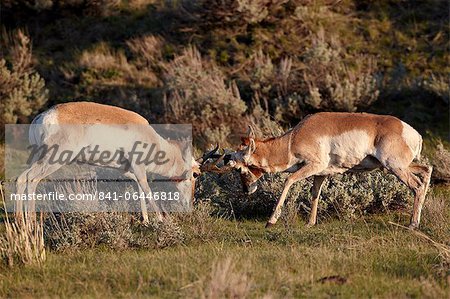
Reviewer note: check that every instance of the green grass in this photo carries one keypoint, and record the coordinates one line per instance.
(375, 258)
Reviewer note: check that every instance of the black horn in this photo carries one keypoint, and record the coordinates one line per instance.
(208, 155)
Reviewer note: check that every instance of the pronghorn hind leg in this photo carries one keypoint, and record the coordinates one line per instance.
(415, 184)
(316, 190)
(27, 182)
(424, 173)
(304, 172)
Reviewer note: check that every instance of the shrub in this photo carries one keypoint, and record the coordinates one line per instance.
(439, 86)
(22, 90)
(326, 77)
(116, 230)
(103, 65)
(441, 163)
(89, 7)
(345, 196)
(104, 74)
(229, 12)
(73, 230)
(147, 50)
(198, 94)
(332, 82)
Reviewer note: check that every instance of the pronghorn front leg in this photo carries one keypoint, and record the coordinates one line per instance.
(141, 177)
(304, 172)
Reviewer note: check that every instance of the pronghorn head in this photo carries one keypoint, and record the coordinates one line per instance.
(243, 161)
(240, 160)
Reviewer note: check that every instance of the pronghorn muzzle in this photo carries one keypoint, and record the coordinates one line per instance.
(220, 162)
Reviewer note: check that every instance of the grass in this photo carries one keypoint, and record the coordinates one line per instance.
(367, 257)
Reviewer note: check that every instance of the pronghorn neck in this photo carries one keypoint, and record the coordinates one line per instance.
(176, 166)
(270, 154)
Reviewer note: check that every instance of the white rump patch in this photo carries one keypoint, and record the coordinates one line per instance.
(41, 125)
(412, 138)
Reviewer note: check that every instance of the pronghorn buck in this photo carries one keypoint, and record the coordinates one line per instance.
(328, 143)
(52, 127)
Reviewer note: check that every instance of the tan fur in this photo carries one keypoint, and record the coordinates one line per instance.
(108, 138)
(303, 141)
(94, 113)
(330, 142)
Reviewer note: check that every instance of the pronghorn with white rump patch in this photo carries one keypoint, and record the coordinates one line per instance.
(133, 127)
(328, 143)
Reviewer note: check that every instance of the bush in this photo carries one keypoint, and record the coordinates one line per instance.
(89, 7)
(147, 50)
(332, 82)
(198, 94)
(439, 86)
(229, 12)
(22, 90)
(103, 65)
(345, 196)
(440, 160)
(73, 230)
(115, 230)
(326, 77)
(105, 74)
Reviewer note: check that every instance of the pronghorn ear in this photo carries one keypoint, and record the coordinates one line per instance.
(252, 145)
(250, 149)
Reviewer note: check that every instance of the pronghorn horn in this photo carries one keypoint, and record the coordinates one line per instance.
(208, 155)
(213, 167)
(251, 132)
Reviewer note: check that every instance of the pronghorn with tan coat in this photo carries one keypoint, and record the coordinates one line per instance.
(119, 137)
(328, 143)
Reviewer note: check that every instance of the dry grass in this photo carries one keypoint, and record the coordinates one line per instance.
(106, 66)
(200, 223)
(23, 241)
(225, 281)
(147, 50)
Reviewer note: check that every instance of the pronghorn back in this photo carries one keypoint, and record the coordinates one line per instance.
(82, 113)
(358, 134)
(93, 113)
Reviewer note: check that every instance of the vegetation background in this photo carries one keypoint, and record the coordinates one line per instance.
(222, 65)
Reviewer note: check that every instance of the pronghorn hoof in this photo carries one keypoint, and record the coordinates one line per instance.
(413, 226)
(269, 224)
(309, 225)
